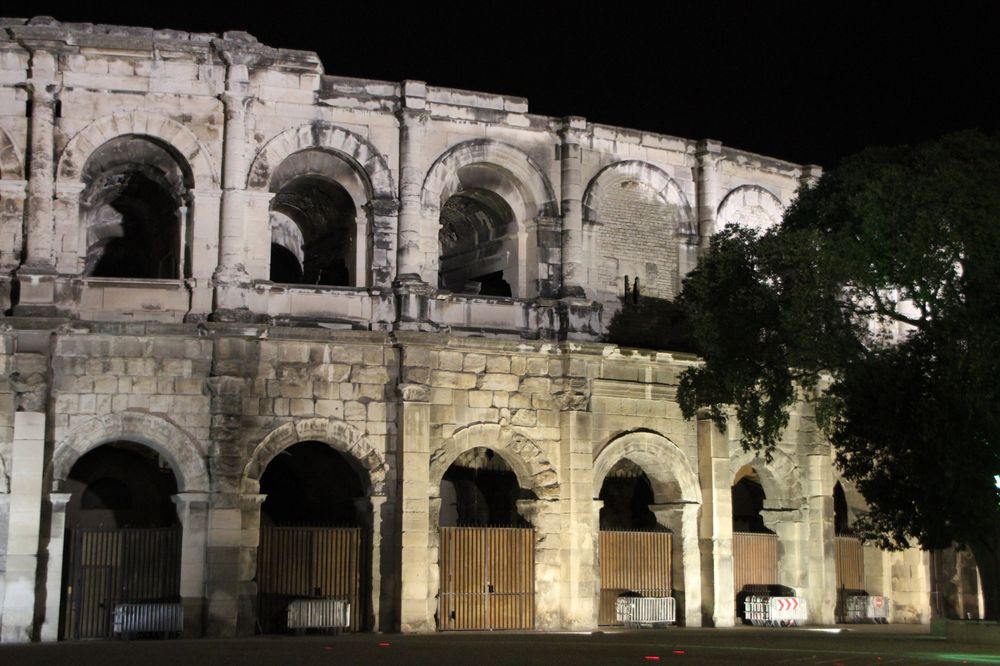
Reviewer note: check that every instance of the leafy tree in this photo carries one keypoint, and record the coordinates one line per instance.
(878, 300)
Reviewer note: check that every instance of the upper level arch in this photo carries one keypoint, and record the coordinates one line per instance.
(488, 199)
(779, 478)
(360, 153)
(338, 435)
(180, 450)
(666, 188)
(11, 162)
(750, 206)
(180, 140)
(533, 470)
(669, 471)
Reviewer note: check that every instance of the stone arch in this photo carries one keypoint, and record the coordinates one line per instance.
(533, 470)
(185, 456)
(11, 162)
(442, 180)
(354, 148)
(856, 504)
(750, 206)
(643, 172)
(180, 139)
(779, 478)
(665, 465)
(338, 435)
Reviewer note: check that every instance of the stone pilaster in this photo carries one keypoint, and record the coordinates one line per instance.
(545, 516)
(574, 273)
(26, 469)
(681, 518)
(788, 521)
(413, 121)
(820, 549)
(192, 512)
(708, 155)
(54, 568)
(716, 526)
(416, 603)
(245, 569)
(579, 522)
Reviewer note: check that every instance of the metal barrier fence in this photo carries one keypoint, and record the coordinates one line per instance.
(319, 614)
(640, 611)
(132, 619)
(865, 608)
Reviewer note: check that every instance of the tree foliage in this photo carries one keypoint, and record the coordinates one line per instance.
(878, 299)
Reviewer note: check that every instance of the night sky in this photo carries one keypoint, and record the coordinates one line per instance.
(789, 80)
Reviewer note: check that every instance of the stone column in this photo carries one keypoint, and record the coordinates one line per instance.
(204, 234)
(788, 521)
(579, 522)
(36, 275)
(416, 604)
(192, 512)
(413, 121)
(26, 469)
(54, 569)
(716, 526)
(708, 154)
(230, 609)
(545, 517)
(574, 273)
(232, 282)
(681, 518)
(246, 565)
(370, 513)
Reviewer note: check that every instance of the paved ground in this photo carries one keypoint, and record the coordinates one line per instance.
(745, 645)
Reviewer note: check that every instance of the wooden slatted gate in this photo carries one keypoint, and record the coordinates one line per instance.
(850, 559)
(755, 559)
(487, 578)
(632, 562)
(307, 563)
(111, 566)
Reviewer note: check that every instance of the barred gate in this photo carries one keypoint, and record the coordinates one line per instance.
(307, 563)
(111, 566)
(632, 562)
(850, 559)
(755, 559)
(487, 578)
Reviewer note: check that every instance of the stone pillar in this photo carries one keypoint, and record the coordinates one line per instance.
(232, 282)
(192, 512)
(229, 610)
(54, 570)
(579, 522)
(716, 526)
(204, 247)
(545, 516)
(370, 513)
(681, 518)
(246, 565)
(26, 469)
(36, 275)
(574, 273)
(820, 549)
(416, 604)
(788, 520)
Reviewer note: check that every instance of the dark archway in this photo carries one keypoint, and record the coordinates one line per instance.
(748, 502)
(478, 244)
(480, 490)
(841, 517)
(133, 209)
(627, 494)
(123, 537)
(315, 543)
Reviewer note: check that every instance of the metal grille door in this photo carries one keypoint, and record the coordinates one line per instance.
(632, 562)
(109, 566)
(307, 563)
(755, 559)
(487, 578)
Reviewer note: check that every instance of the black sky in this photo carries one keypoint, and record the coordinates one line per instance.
(791, 80)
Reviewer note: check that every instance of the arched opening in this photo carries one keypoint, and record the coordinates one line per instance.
(478, 244)
(486, 556)
(755, 547)
(318, 227)
(123, 538)
(635, 550)
(133, 211)
(314, 552)
(841, 520)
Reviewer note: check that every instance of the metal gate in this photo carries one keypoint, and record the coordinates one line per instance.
(632, 563)
(850, 559)
(111, 566)
(487, 578)
(307, 563)
(755, 559)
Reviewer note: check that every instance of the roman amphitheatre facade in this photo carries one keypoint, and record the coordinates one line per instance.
(271, 334)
